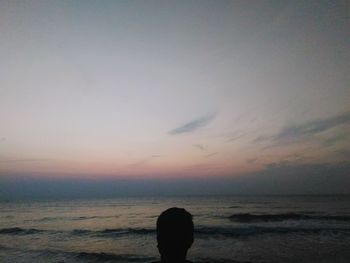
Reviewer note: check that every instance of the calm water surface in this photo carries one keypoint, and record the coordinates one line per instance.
(227, 229)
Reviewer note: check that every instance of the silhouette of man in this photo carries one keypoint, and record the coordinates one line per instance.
(174, 235)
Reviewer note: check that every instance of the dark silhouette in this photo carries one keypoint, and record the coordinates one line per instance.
(174, 235)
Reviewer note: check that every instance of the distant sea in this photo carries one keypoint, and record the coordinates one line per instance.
(227, 229)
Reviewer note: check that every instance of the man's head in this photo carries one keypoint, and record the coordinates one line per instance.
(174, 234)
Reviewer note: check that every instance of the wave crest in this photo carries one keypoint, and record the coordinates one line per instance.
(20, 231)
(200, 232)
(255, 218)
(112, 257)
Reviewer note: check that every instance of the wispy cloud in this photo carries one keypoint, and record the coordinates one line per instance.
(145, 161)
(140, 162)
(306, 131)
(334, 140)
(260, 139)
(235, 138)
(252, 160)
(234, 135)
(345, 153)
(193, 125)
(295, 132)
(200, 147)
(23, 160)
(211, 154)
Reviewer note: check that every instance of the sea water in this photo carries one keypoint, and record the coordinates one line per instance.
(227, 229)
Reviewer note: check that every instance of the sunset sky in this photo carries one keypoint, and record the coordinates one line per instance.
(173, 89)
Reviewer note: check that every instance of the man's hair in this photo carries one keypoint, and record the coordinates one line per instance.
(175, 228)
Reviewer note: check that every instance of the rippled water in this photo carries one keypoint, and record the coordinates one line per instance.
(227, 229)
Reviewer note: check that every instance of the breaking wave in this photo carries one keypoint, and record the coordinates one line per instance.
(69, 256)
(115, 231)
(200, 232)
(255, 218)
(257, 230)
(20, 231)
(112, 257)
(47, 219)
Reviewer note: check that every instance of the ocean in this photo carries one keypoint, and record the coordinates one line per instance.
(227, 229)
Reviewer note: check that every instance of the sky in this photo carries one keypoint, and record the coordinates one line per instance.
(193, 96)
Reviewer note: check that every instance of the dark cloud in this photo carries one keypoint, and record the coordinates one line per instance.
(193, 125)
